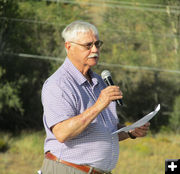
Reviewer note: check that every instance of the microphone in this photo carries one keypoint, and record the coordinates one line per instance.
(106, 76)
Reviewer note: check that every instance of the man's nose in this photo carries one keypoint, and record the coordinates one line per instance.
(94, 49)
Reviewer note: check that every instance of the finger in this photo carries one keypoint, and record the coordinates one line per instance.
(114, 91)
(112, 98)
(134, 133)
(147, 124)
(112, 88)
(144, 128)
(139, 132)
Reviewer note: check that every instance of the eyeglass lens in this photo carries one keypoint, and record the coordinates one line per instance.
(98, 44)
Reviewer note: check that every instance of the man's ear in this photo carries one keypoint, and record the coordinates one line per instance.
(67, 45)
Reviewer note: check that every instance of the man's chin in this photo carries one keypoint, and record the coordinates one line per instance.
(93, 61)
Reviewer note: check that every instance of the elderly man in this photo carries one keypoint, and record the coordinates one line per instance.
(79, 112)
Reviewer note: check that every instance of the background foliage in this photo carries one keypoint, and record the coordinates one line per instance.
(141, 49)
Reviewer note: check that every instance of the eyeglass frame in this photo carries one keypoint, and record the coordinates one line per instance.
(91, 44)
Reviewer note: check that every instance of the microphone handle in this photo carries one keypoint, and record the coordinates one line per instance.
(109, 82)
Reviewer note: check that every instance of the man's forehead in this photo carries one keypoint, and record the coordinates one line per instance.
(86, 36)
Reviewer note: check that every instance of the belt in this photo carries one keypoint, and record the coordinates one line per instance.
(83, 168)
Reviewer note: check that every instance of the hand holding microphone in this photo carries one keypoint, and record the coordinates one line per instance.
(106, 76)
(109, 94)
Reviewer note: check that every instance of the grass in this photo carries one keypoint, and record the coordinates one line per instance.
(143, 155)
(147, 155)
(25, 154)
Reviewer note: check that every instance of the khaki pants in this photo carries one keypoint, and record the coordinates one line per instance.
(53, 167)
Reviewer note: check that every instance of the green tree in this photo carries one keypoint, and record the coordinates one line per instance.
(175, 116)
(9, 90)
(139, 34)
(29, 28)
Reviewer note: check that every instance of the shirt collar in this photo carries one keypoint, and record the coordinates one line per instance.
(94, 78)
(69, 67)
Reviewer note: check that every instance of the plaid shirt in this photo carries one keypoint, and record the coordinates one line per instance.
(67, 93)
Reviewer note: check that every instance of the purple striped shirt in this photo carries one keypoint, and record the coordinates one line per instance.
(67, 93)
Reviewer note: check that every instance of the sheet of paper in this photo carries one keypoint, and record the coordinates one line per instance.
(140, 122)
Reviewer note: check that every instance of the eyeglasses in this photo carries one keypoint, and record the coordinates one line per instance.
(89, 45)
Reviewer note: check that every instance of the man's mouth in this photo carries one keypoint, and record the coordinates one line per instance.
(93, 56)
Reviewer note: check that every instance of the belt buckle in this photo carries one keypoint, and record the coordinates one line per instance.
(58, 160)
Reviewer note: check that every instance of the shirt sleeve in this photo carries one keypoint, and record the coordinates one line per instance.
(58, 105)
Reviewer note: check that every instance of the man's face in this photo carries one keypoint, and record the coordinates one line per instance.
(80, 55)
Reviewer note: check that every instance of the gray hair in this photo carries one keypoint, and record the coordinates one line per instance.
(73, 29)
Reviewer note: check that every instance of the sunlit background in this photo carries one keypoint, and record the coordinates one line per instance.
(141, 50)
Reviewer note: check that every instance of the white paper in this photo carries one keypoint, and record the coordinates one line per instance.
(140, 122)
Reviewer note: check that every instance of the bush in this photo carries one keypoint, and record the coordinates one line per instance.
(175, 116)
(3, 145)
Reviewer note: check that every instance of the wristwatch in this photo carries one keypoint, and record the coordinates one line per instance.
(131, 135)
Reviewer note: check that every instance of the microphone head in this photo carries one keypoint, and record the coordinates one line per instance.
(105, 74)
